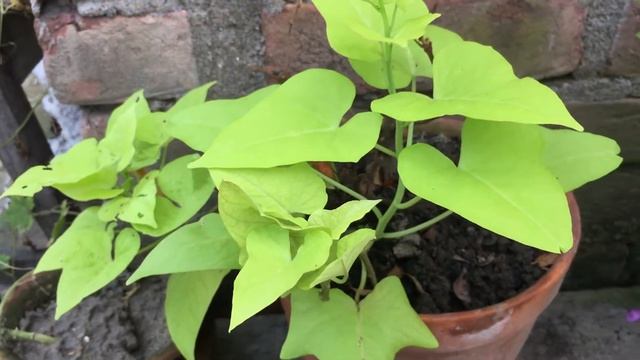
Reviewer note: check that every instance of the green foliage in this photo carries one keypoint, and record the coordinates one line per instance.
(204, 245)
(273, 224)
(578, 158)
(89, 258)
(17, 216)
(299, 122)
(494, 93)
(188, 297)
(500, 183)
(271, 270)
(377, 328)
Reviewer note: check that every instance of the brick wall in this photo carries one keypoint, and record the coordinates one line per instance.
(99, 51)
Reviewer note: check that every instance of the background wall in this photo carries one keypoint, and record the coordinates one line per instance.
(99, 51)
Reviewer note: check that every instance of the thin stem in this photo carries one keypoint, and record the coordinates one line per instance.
(409, 203)
(163, 160)
(326, 288)
(347, 191)
(24, 122)
(417, 228)
(27, 336)
(400, 190)
(363, 281)
(410, 134)
(148, 247)
(370, 270)
(385, 150)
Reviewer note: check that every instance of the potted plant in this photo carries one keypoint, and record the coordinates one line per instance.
(273, 224)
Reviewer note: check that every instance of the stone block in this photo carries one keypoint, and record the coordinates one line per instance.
(619, 119)
(104, 60)
(625, 53)
(541, 38)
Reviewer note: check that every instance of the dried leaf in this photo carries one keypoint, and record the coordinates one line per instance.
(546, 260)
(461, 287)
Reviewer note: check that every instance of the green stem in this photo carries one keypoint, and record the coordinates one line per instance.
(326, 288)
(400, 190)
(385, 150)
(347, 190)
(409, 203)
(165, 150)
(417, 228)
(370, 270)
(148, 247)
(27, 336)
(363, 281)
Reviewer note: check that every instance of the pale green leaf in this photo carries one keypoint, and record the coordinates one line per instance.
(110, 209)
(441, 38)
(299, 122)
(500, 184)
(192, 98)
(199, 125)
(337, 221)
(181, 193)
(577, 158)
(344, 253)
(141, 206)
(271, 271)
(186, 303)
(88, 257)
(121, 129)
(476, 81)
(376, 329)
(279, 193)
(204, 245)
(83, 173)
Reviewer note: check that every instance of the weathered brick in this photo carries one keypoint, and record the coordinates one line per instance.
(541, 38)
(103, 60)
(625, 53)
(295, 40)
(618, 119)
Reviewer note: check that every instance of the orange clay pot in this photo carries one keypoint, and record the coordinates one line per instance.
(496, 332)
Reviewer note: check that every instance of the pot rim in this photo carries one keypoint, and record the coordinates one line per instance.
(548, 280)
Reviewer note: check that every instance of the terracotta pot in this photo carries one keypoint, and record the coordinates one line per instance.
(495, 332)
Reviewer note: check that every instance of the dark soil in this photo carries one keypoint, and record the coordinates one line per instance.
(453, 266)
(115, 323)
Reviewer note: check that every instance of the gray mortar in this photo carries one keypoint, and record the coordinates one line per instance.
(592, 89)
(603, 20)
(228, 44)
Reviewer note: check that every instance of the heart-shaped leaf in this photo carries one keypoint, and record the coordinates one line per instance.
(299, 122)
(376, 329)
(476, 81)
(204, 245)
(440, 38)
(137, 209)
(500, 183)
(186, 303)
(181, 193)
(199, 125)
(88, 257)
(270, 270)
(577, 158)
(337, 221)
(344, 253)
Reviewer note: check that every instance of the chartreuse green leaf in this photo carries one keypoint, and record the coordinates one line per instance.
(204, 245)
(271, 271)
(376, 329)
(476, 81)
(578, 158)
(279, 193)
(78, 173)
(441, 38)
(121, 129)
(343, 254)
(337, 221)
(199, 125)
(299, 122)
(186, 303)
(88, 257)
(500, 183)
(137, 209)
(192, 98)
(181, 193)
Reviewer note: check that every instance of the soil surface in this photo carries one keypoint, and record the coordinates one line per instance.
(452, 266)
(117, 321)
